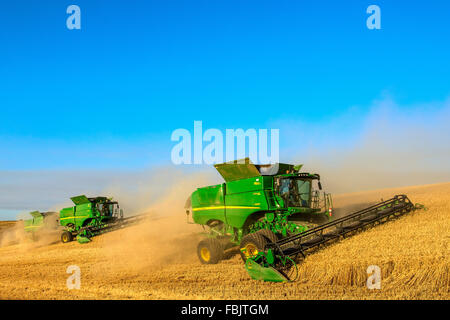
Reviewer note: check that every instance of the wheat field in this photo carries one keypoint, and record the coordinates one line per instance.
(157, 260)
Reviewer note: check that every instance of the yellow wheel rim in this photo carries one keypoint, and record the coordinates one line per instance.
(205, 254)
(250, 250)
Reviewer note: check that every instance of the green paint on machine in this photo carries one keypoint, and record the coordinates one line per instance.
(258, 272)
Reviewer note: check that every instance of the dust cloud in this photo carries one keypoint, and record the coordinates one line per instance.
(16, 234)
(165, 236)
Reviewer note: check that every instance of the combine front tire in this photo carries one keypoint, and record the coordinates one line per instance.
(66, 236)
(251, 244)
(210, 251)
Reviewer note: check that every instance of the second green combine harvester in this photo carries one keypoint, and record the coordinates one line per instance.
(86, 219)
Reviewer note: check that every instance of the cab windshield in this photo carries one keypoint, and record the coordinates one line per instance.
(107, 209)
(295, 192)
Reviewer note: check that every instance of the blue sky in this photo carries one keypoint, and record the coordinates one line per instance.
(109, 95)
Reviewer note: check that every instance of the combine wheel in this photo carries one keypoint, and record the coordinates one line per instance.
(66, 236)
(210, 251)
(252, 243)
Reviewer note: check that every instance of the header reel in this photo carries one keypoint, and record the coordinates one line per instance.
(277, 262)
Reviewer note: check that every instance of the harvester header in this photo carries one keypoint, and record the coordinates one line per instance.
(277, 262)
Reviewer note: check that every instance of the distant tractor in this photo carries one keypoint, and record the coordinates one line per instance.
(256, 204)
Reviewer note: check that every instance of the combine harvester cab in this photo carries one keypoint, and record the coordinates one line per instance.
(257, 204)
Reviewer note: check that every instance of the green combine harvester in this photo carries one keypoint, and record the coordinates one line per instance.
(88, 218)
(256, 202)
(276, 217)
(41, 221)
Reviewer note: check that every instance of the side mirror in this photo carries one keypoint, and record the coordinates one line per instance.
(320, 185)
